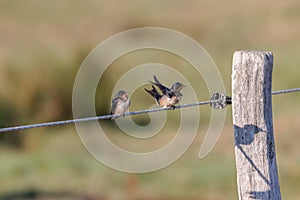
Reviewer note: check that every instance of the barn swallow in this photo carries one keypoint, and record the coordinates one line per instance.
(120, 103)
(169, 96)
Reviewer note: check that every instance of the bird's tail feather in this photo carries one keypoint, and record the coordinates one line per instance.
(154, 93)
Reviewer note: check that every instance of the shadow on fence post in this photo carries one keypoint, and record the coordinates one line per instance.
(257, 176)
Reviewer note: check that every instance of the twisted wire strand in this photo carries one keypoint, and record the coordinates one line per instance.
(102, 117)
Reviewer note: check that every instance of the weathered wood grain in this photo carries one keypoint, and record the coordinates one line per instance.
(257, 176)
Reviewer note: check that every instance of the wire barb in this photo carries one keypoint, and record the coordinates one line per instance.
(221, 100)
(217, 101)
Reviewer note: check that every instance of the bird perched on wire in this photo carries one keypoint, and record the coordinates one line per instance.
(169, 96)
(120, 103)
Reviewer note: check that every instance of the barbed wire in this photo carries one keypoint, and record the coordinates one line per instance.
(212, 102)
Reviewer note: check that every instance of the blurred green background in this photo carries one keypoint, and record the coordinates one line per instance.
(42, 44)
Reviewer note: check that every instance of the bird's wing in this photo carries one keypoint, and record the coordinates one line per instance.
(165, 90)
(154, 93)
(114, 104)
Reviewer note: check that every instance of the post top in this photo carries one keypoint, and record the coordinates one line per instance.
(253, 52)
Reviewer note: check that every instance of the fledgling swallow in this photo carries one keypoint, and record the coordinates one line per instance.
(120, 103)
(169, 96)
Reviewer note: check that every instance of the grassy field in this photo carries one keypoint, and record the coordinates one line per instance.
(42, 44)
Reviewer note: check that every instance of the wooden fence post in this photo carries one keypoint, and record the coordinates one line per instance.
(257, 176)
